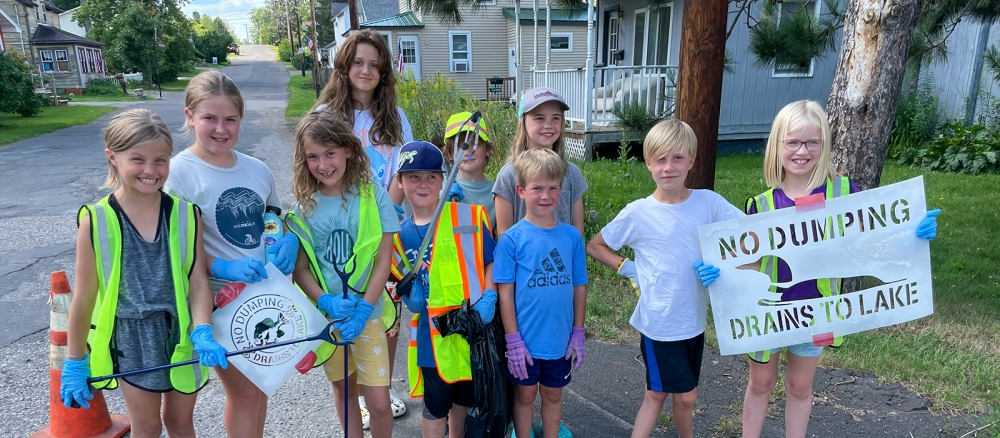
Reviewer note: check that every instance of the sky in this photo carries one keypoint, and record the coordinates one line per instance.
(236, 12)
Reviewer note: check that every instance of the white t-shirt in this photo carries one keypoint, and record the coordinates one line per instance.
(673, 305)
(232, 202)
(384, 158)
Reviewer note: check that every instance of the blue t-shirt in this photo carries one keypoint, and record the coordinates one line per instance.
(411, 235)
(544, 264)
(334, 227)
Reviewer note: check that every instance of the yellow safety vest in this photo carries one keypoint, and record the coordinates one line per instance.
(836, 187)
(458, 274)
(369, 237)
(106, 235)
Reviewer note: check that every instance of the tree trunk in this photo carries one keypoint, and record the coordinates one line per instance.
(699, 81)
(870, 72)
(352, 8)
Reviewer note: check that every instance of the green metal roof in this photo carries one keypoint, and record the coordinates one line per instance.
(571, 17)
(406, 19)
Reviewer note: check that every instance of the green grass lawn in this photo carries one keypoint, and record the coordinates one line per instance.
(103, 98)
(301, 95)
(952, 357)
(13, 127)
(178, 85)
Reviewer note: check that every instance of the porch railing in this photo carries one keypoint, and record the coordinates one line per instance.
(651, 86)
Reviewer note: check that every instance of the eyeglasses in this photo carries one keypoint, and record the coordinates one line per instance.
(811, 145)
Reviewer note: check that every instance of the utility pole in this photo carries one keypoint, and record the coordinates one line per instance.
(352, 8)
(699, 82)
(312, 13)
(247, 26)
(298, 31)
(156, 60)
(288, 24)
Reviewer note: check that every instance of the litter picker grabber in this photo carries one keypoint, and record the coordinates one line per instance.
(406, 283)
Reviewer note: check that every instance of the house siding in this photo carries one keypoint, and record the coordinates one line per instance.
(63, 79)
(16, 11)
(954, 77)
(577, 58)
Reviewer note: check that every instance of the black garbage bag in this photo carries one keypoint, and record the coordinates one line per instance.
(491, 412)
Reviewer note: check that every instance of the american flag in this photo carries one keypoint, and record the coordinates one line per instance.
(399, 56)
(309, 43)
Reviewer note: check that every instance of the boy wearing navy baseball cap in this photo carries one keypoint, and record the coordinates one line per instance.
(439, 367)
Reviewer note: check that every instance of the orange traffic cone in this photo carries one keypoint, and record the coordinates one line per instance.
(68, 422)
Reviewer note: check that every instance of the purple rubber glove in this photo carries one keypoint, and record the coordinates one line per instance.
(517, 356)
(286, 250)
(210, 353)
(928, 227)
(577, 345)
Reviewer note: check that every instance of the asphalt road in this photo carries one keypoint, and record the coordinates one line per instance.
(44, 180)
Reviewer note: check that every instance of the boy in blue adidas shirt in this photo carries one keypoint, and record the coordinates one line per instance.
(541, 275)
(439, 367)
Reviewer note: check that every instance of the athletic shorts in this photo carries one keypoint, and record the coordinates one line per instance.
(672, 366)
(806, 349)
(553, 373)
(369, 356)
(439, 396)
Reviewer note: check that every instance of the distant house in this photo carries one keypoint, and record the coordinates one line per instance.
(66, 23)
(470, 52)
(67, 59)
(341, 22)
(966, 89)
(635, 61)
(18, 20)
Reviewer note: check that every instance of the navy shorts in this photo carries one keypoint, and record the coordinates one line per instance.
(672, 366)
(553, 373)
(440, 395)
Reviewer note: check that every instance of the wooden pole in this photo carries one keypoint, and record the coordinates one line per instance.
(352, 8)
(312, 13)
(699, 82)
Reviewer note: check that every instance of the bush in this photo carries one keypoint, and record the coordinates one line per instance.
(103, 87)
(298, 61)
(959, 148)
(428, 102)
(917, 116)
(17, 90)
(284, 51)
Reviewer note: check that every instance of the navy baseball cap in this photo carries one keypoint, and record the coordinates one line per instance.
(420, 156)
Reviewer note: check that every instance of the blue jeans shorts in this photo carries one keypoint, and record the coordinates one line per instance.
(806, 349)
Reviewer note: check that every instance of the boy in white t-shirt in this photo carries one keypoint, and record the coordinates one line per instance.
(662, 229)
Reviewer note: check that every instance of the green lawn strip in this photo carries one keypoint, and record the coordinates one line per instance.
(178, 85)
(301, 95)
(13, 127)
(102, 98)
(950, 357)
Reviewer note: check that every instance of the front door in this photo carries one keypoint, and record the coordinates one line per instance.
(410, 45)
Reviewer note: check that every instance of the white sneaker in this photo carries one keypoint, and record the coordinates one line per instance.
(398, 408)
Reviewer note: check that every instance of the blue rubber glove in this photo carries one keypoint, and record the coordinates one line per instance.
(337, 307)
(416, 301)
(210, 353)
(353, 326)
(487, 305)
(400, 211)
(246, 269)
(456, 191)
(73, 386)
(706, 273)
(928, 227)
(286, 250)
(627, 270)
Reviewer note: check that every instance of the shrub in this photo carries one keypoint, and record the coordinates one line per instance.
(959, 148)
(284, 51)
(298, 61)
(103, 87)
(17, 90)
(917, 116)
(428, 102)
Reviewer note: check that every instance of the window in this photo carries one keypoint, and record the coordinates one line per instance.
(409, 51)
(62, 60)
(786, 9)
(37, 14)
(613, 33)
(561, 42)
(81, 56)
(46, 56)
(486, 2)
(460, 50)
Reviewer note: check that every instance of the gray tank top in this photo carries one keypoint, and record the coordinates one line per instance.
(146, 284)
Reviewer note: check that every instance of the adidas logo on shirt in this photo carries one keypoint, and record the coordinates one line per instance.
(550, 272)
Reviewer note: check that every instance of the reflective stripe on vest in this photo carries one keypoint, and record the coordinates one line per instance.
(835, 187)
(458, 274)
(107, 240)
(369, 237)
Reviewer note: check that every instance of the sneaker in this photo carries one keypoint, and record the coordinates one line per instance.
(563, 431)
(366, 418)
(514, 434)
(398, 408)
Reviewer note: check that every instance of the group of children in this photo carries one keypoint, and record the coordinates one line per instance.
(176, 230)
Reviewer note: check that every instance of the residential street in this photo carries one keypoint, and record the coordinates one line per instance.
(44, 180)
